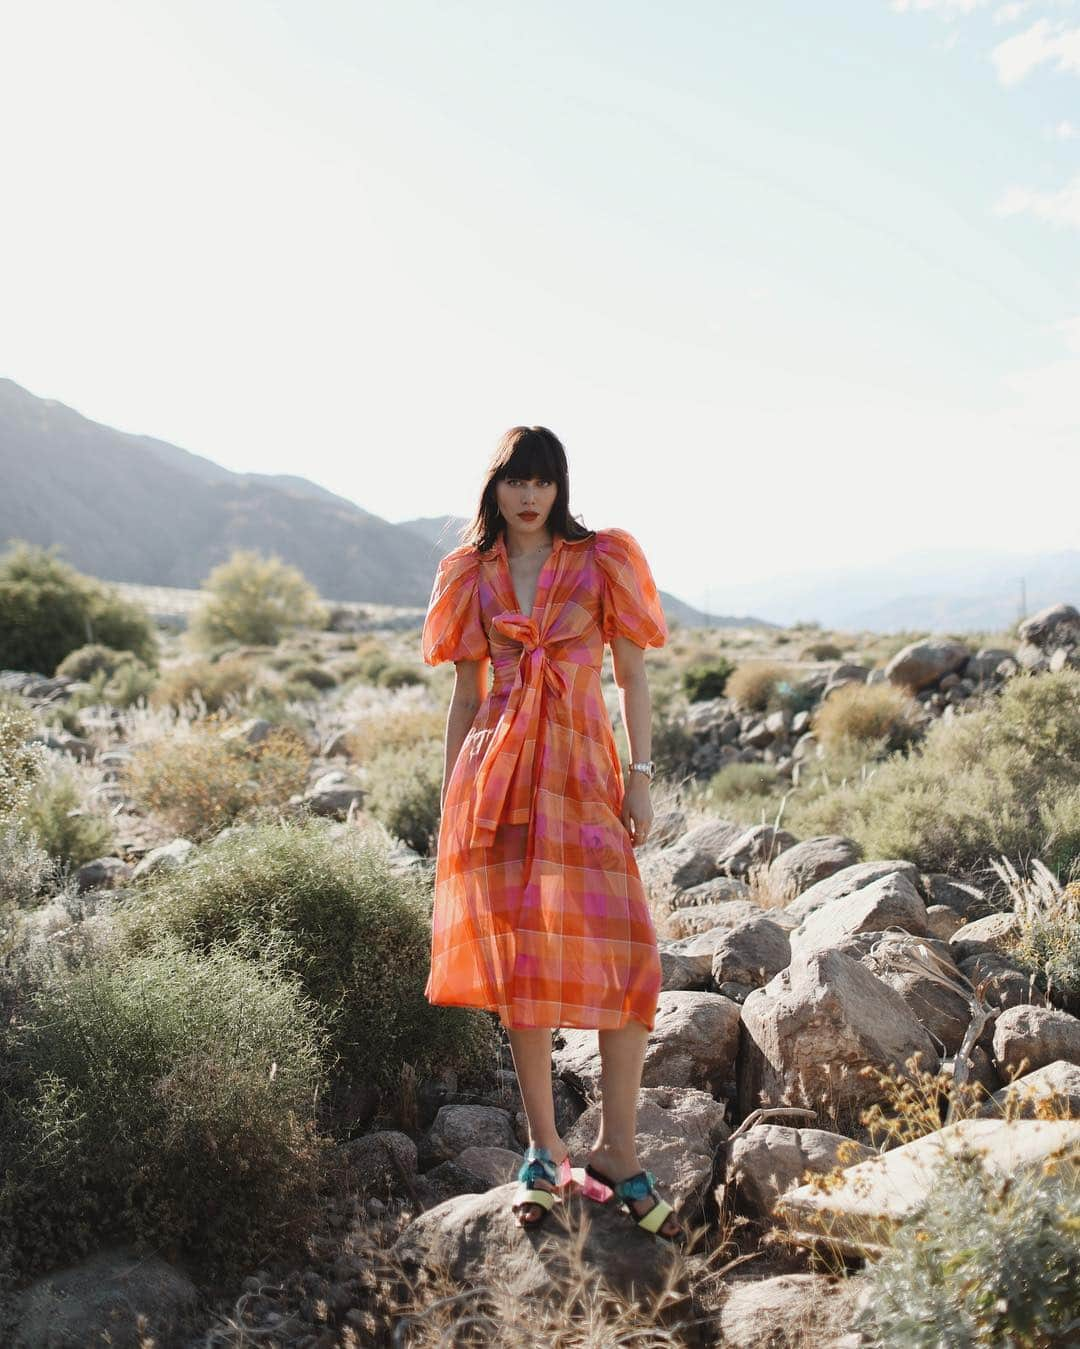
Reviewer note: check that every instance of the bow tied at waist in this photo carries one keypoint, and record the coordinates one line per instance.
(519, 725)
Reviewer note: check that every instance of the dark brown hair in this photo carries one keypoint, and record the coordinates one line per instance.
(524, 452)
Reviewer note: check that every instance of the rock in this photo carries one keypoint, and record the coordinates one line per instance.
(667, 826)
(968, 900)
(810, 1031)
(333, 795)
(720, 890)
(458, 1127)
(751, 954)
(806, 863)
(698, 948)
(693, 1043)
(921, 664)
(890, 901)
(379, 1159)
(758, 736)
(1056, 625)
(253, 731)
(166, 858)
(756, 845)
(114, 1298)
(942, 921)
(999, 981)
(1065, 657)
(679, 1133)
(858, 1215)
(770, 1158)
(784, 1311)
(806, 747)
(686, 923)
(1027, 1037)
(996, 932)
(1031, 658)
(847, 881)
(1054, 1086)
(103, 873)
(945, 1012)
(451, 1178)
(983, 665)
(494, 1166)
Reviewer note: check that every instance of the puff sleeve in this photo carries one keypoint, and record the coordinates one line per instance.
(453, 629)
(630, 601)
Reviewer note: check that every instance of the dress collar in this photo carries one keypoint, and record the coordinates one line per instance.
(499, 546)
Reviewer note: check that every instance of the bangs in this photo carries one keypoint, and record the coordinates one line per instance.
(532, 457)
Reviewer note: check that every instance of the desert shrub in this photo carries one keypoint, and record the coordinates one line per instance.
(822, 651)
(127, 683)
(753, 685)
(397, 675)
(26, 869)
(982, 784)
(58, 816)
(86, 661)
(164, 1099)
(404, 787)
(867, 713)
(745, 792)
(736, 780)
(392, 729)
(200, 781)
(357, 935)
(214, 683)
(707, 681)
(21, 763)
(255, 600)
(48, 609)
(315, 675)
(994, 1265)
(1048, 943)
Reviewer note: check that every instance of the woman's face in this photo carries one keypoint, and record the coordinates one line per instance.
(520, 498)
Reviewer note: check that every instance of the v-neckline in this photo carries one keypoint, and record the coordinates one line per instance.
(557, 542)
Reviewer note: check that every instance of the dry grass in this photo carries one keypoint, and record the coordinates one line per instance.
(752, 685)
(866, 715)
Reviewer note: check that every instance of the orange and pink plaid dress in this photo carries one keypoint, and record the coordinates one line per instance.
(539, 912)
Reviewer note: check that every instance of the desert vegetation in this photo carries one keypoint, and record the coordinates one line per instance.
(216, 864)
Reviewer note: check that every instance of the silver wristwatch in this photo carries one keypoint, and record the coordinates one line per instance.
(646, 766)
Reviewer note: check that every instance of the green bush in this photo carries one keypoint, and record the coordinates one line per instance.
(357, 935)
(86, 661)
(822, 651)
(21, 764)
(404, 789)
(214, 682)
(987, 783)
(57, 816)
(753, 686)
(1049, 947)
(867, 714)
(48, 609)
(165, 1099)
(130, 681)
(989, 1261)
(255, 600)
(315, 675)
(707, 681)
(398, 676)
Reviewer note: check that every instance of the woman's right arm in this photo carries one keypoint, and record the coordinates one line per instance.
(470, 689)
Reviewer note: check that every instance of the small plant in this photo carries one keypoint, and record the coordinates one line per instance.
(87, 661)
(201, 781)
(215, 683)
(878, 714)
(356, 935)
(255, 600)
(165, 1099)
(21, 764)
(63, 823)
(316, 675)
(48, 609)
(1048, 945)
(392, 729)
(404, 790)
(753, 685)
(398, 676)
(701, 682)
(822, 651)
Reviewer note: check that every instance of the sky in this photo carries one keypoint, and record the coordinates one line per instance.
(797, 286)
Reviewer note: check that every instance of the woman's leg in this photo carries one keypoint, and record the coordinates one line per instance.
(622, 1057)
(531, 1048)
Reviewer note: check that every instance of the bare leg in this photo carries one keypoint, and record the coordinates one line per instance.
(622, 1056)
(531, 1049)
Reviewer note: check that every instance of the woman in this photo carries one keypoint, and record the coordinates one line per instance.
(540, 914)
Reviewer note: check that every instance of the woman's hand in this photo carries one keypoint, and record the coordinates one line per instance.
(637, 811)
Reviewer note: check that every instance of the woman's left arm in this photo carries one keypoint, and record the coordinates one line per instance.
(628, 662)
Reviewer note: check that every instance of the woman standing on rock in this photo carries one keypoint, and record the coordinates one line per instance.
(539, 913)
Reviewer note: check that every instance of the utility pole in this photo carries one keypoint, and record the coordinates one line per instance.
(1023, 599)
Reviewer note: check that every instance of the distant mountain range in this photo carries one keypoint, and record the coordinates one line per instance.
(132, 508)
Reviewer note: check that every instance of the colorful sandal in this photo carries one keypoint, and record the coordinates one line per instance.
(642, 1185)
(539, 1165)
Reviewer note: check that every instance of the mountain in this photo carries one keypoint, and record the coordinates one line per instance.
(132, 508)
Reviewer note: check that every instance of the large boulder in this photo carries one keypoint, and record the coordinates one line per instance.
(847, 881)
(770, 1158)
(760, 843)
(996, 932)
(809, 1033)
(999, 981)
(968, 900)
(687, 862)
(720, 890)
(806, 863)
(1029, 1037)
(114, 1298)
(457, 1127)
(858, 1215)
(693, 1044)
(1056, 625)
(786, 1310)
(103, 873)
(907, 965)
(921, 664)
(1055, 1086)
(166, 858)
(891, 901)
(751, 954)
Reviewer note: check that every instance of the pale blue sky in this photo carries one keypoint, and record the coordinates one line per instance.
(795, 284)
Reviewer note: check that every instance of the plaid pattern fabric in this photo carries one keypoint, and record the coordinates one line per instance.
(540, 914)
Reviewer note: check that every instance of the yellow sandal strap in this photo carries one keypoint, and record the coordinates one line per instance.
(654, 1219)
